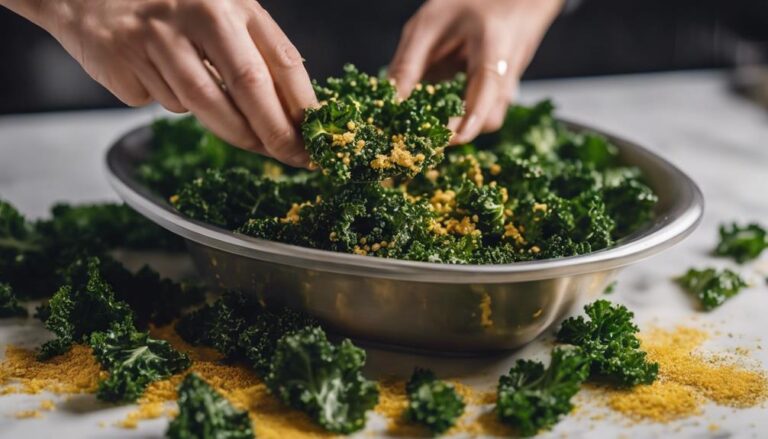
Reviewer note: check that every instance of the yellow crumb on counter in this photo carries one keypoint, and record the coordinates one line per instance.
(46, 405)
(28, 414)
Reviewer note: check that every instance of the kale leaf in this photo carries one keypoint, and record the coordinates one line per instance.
(205, 414)
(742, 243)
(363, 132)
(609, 340)
(86, 305)
(9, 303)
(711, 287)
(134, 360)
(432, 402)
(322, 379)
(531, 398)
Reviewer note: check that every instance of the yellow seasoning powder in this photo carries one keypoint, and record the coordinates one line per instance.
(687, 379)
(75, 371)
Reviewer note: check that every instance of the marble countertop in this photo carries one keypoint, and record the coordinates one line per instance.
(690, 118)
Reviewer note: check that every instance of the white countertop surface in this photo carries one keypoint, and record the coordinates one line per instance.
(690, 118)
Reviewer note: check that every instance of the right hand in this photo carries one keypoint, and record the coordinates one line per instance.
(145, 50)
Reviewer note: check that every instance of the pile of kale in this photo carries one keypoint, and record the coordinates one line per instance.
(391, 187)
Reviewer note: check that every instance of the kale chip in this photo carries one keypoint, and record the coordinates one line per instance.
(742, 243)
(609, 340)
(134, 360)
(363, 132)
(9, 303)
(322, 379)
(711, 287)
(205, 414)
(432, 402)
(86, 305)
(531, 398)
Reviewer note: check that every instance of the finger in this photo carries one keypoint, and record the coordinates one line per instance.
(508, 95)
(412, 56)
(285, 64)
(180, 65)
(487, 73)
(157, 87)
(249, 82)
(126, 86)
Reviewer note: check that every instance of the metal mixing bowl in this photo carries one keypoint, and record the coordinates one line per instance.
(417, 305)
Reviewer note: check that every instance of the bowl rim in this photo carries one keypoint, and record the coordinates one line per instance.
(678, 221)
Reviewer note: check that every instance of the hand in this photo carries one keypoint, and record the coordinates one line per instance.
(494, 40)
(145, 50)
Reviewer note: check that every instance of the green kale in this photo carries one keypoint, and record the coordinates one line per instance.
(322, 379)
(531, 398)
(183, 150)
(432, 402)
(9, 304)
(742, 243)
(363, 132)
(610, 342)
(611, 288)
(96, 228)
(23, 263)
(205, 414)
(78, 309)
(134, 360)
(712, 287)
(227, 198)
(259, 341)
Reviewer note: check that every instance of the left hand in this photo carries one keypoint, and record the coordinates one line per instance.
(494, 40)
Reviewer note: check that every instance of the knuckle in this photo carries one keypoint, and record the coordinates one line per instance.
(278, 140)
(203, 10)
(287, 55)
(249, 77)
(199, 91)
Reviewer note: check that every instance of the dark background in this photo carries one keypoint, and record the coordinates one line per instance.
(599, 37)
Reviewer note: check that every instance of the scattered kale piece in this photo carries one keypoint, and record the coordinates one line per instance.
(742, 243)
(609, 340)
(239, 327)
(9, 304)
(322, 379)
(86, 305)
(712, 287)
(531, 398)
(134, 360)
(363, 132)
(205, 414)
(96, 228)
(432, 402)
(23, 263)
(611, 288)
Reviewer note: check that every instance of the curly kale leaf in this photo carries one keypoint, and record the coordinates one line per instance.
(227, 198)
(134, 360)
(322, 379)
(362, 132)
(86, 305)
(531, 398)
(9, 303)
(23, 263)
(432, 402)
(239, 327)
(742, 243)
(97, 228)
(609, 339)
(183, 150)
(205, 414)
(258, 342)
(712, 287)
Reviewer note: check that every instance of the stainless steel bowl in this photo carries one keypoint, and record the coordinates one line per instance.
(417, 305)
